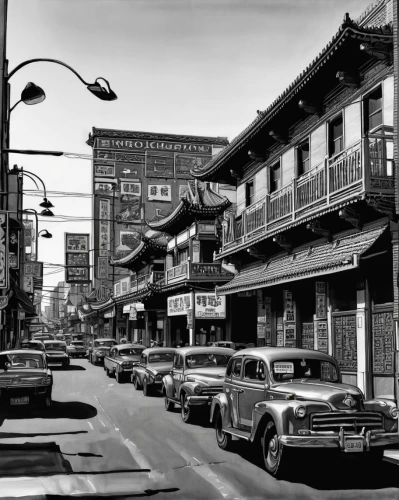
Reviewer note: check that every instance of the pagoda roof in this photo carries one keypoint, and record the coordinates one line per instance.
(149, 246)
(199, 202)
(347, 32)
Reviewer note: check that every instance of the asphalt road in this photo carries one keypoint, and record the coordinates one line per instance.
(101, 437)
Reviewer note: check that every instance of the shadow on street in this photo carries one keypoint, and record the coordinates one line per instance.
(330, 470)
(70, 409)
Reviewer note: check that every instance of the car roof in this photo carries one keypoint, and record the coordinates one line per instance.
(34, 341)
(106, 338)
(270, 354)
(152, 350)
(22, 351)
(127, 346)
(204, 350)
(45, 342)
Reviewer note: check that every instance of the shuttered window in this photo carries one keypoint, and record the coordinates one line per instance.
(353, 124)
(303, 155)
(288, 167)
(240, 198)
(387, 97)
(260, 184)
(373, 110)
(318, 146)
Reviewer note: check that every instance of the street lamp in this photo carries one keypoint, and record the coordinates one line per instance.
(45, 203)
(47, 235)
(32, 94)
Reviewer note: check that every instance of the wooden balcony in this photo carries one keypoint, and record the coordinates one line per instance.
(141, 281)
(194, 271)
(364, 168)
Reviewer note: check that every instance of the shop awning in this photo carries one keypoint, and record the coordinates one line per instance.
(24, 301)
(343, 253)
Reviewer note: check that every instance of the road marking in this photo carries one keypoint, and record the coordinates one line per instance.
(203, 470)
(108, 415)
(101, 422)
(90, 425)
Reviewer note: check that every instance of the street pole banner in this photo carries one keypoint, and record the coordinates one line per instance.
(4, 264)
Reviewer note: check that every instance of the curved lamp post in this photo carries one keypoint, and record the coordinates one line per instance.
(45, 213)
(45, 203)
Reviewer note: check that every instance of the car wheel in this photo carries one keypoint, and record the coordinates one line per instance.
(274, 453)
(223, 439)
(137, 384)
(47, 401)
(118, 377)
(146, 388)
(186, 411)
(169, 405)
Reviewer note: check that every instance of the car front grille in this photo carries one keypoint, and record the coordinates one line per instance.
(211, 391)
(333, 421)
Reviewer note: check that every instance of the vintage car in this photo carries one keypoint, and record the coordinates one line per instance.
(43, 336)
(237, 346)
(197, 375)
(36, 345)
(121, 359)
(155, 363)
(25, 378)
(100, 349)
(280, 399)
(56, 353)
(76, 349)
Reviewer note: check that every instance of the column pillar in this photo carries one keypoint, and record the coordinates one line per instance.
(363, 338)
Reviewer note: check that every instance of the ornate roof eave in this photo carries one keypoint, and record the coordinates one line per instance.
(99, 306)
(189, 285)
(348, 29)
(138, 295)
(154, 136)
(147, 248)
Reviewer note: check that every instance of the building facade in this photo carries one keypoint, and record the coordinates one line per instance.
(314, 236)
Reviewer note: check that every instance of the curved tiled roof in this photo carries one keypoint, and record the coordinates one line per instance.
(348, 29)
(201, 202)
(309, 261)
(155, 245)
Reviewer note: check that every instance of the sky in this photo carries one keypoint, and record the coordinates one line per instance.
(200, 67)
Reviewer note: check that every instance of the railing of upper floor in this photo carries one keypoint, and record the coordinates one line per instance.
(141, 281)
(364, 167)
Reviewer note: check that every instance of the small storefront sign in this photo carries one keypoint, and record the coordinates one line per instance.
(288, 306)
(159, 192)
(178, 305)
(132, 313)
(110, 313)
(289, 334)
(208, 305)
(321, 302)
(322, 336)
(261, 331)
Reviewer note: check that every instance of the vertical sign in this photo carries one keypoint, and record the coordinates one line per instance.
(77, 262)
(103, 238)
(13, 249)
(289, 320)
(321, 336)
(268, 315)
(280, 332)
(4, 269)
(321, 306)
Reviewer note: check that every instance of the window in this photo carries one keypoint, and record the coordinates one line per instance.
(236, 370)
(182, 256)
(303, 157)
(143, 359)
(249, 193)
(275, 177)
(178, 361)
(373, 109)
(250, 369)
(229, 366)
(336, 136)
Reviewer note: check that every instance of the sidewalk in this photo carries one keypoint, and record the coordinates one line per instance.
(391, 456)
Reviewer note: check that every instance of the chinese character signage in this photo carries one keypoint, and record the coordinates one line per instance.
(28, 228)
(159, 192)
(4, 264)
(104, 230)
(13, 249)
(130, 188)
(102, 268)
(105, 186)
(104, 170)
(208, 305)
(178, 305)
(140, 144)
(77, 268)
(133, 313)
(33, 268)
(321, 306)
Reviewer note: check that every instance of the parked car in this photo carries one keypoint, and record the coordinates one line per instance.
(36, 345)
(25, 378)
(237, 346)
(121, 359)
(56, 353)
(155, 363)
(100, 349)
(197, 375)
(76, 349)
(286, 398)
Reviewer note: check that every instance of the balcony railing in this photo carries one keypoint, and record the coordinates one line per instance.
(197, 271)
(364, 167)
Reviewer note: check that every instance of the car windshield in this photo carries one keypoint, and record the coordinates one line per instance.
(131, 351)
(303, 368)
(206, 359)
(38, 346)
(27, 360)
(55, 346)
(160, 357)
(77, 344)
(104, 343)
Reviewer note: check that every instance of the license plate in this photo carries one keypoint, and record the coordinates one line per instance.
(19, 401)
(354, 445)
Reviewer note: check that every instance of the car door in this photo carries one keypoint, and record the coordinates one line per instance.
(177, 373)
(142, 367)
(233, 375)
(111, 355)
(251, 388)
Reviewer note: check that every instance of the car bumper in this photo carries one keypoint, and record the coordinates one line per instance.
(199, 400)
(33, 393)
(371, 439)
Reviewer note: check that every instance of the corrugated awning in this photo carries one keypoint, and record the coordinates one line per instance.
(341, 254)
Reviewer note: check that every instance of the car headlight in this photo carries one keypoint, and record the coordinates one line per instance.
(197, 389)
(46, 381)
(300, 411)
(393, 412)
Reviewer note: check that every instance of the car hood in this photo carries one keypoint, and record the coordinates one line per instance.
(208, 375)
(160, 367)
(338, 395)
(130, 357)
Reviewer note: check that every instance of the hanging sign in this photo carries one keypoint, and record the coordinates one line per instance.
(190, 318)
(13, 249)
(4, 265)
(27, 285)
(178, 305)
(321, 306)
(159, 192)
(28, 227)
(77, 269)
(208, 305)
